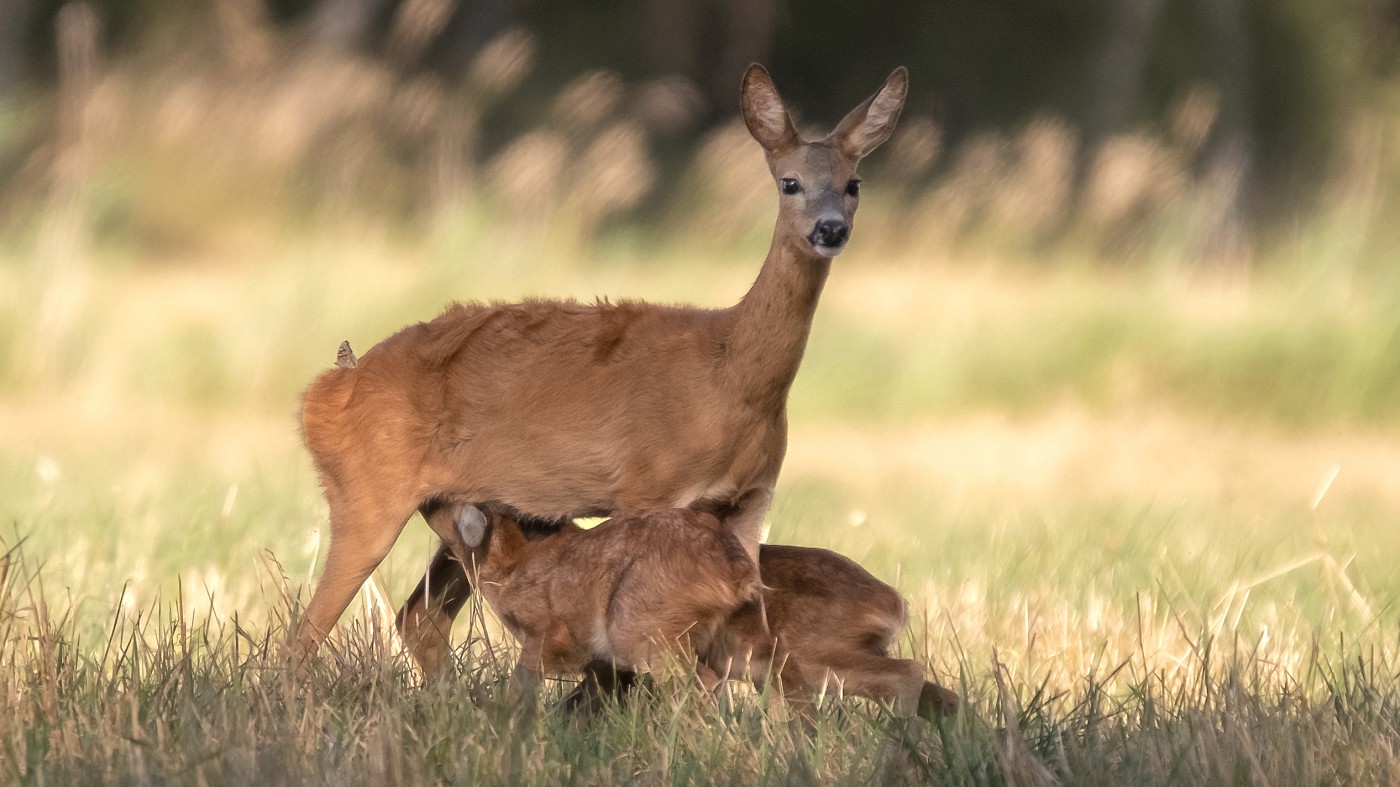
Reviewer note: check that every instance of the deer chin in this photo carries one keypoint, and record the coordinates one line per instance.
(828, 251)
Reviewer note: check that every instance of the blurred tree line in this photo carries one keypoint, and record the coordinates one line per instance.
(1284, 78)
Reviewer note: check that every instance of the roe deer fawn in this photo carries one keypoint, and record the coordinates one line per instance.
(595, 600)
(575, 599)
(558, 409)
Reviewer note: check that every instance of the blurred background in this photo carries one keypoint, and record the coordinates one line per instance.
(1121, 314)
(1105, 127)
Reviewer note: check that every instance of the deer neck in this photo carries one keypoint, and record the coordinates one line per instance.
(772, 322)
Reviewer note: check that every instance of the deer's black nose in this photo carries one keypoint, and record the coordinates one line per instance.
(830, 232)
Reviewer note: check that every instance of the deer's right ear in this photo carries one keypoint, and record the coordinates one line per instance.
(870, 124)
(764, 112)
(471, 526)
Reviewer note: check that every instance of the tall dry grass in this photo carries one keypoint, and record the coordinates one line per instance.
(1054, 695)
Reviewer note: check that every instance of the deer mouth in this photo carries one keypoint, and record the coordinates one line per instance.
(826, 245)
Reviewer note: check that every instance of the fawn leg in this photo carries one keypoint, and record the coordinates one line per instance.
(523, 688)
(425, 621)
(601, 680)
(936, 702)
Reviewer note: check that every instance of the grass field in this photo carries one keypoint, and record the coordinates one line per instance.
(1146, 520)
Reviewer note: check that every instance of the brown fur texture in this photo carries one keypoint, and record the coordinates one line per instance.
(558, 409)
(594, 600)
(831, 623)
(614, 594)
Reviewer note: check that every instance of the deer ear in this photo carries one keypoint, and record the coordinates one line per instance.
(764, 112)
(471, 526)
(871, 123)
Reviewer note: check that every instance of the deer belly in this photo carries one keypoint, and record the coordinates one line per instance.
(549, 470)
(721, 489)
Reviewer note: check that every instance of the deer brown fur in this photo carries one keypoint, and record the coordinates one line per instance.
(831, 624)
(595, 600)
(557, 408)
(645, 587)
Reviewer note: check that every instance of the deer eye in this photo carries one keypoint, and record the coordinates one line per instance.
(853, 188)
(789, 185)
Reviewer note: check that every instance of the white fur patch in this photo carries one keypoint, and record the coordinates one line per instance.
(713, 491)
(602, 646)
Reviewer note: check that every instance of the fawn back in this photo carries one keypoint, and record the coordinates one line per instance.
(652, 583)
(828, 622)
(612, 593)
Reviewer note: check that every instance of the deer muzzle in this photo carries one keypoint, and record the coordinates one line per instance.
(829, 236)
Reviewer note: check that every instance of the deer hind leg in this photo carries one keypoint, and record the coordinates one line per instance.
(771, 664)
(797, 692)
(769, 667)
(898, 682)
(362, 532)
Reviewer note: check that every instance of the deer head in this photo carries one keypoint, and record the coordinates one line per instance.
(817, 182)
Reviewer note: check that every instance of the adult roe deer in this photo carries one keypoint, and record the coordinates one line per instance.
(651, 584)
(560, 409)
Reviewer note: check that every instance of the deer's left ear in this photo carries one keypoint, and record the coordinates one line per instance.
(871, 123)
(764, 112)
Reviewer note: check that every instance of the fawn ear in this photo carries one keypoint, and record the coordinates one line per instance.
(871, 123)
(764, 112)
(471, 525)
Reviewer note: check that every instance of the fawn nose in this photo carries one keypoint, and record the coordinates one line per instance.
(831, 233)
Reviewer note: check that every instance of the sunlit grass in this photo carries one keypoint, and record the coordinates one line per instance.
(1137, 572)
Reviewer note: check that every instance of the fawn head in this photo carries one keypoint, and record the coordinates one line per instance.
(817, 182)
